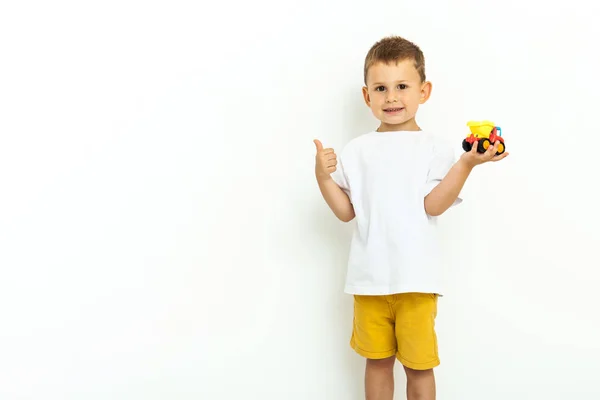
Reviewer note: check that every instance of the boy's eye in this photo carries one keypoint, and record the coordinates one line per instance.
(380, 88)
(402, 86)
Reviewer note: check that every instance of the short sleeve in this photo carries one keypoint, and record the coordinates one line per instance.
(441, 162)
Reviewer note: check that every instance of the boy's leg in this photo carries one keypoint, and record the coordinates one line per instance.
(374, 338)
(379, 379)
(420, 385)
(417, 342)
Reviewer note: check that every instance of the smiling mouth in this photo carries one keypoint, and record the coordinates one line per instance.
(391, 110)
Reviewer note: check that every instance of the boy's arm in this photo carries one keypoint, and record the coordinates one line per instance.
(447, 191)
(337, 200)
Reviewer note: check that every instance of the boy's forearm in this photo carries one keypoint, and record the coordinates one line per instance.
(446, 192)
(336, 199)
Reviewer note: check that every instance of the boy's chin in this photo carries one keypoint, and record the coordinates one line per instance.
(395, 121)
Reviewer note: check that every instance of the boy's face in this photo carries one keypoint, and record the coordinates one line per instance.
(394, 93)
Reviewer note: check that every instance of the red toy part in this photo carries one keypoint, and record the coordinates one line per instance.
(493, 137)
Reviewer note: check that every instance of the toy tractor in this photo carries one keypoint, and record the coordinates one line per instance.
(486, 134)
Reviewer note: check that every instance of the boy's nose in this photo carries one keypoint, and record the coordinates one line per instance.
(391, 99)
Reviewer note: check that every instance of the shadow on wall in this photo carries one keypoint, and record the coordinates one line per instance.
(336, 237)
(358, 118)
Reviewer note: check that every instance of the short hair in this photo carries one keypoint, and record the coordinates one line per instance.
(395, 49)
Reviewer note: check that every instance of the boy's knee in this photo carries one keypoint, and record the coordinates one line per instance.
(416, 374)
(381, 364)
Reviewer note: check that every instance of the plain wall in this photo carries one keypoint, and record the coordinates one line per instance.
(162, 235)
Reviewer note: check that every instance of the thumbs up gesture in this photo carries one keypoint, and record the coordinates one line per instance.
(326, 161)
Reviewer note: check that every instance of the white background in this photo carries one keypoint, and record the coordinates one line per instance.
(162, 235)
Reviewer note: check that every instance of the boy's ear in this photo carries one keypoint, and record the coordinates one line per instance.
(365, 92)
(425, 92)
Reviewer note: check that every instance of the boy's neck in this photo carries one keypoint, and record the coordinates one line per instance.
(410, 125)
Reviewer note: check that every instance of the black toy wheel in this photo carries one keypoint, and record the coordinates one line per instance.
(501, 148)
(483, 145)
(466, 145)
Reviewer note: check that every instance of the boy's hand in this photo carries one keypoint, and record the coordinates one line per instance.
(473, 158)
(326, 161)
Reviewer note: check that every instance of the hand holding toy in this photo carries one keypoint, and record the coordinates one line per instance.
(486, 133)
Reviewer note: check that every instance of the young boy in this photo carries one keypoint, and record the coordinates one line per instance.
(395, 181)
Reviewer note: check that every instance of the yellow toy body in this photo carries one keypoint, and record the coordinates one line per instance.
(481, 129)
(486, 134)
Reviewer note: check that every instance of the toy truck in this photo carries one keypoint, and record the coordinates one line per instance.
(486, 133)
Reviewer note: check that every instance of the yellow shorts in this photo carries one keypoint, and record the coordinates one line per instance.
(401, 325)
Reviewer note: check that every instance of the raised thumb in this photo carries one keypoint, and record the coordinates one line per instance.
(318, 144)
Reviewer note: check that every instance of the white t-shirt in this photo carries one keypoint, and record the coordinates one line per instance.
(387, 175)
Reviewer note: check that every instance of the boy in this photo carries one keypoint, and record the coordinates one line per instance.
(396, 181)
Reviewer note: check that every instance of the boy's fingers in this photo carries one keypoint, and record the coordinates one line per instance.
(500, 157)
(474, 148)
(496, 145)
(491, 151)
